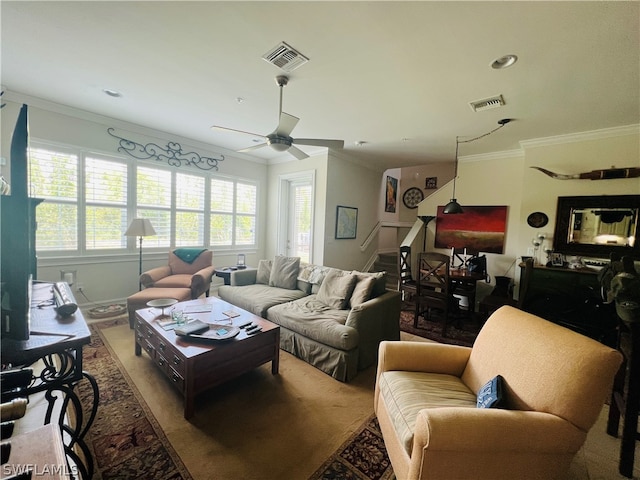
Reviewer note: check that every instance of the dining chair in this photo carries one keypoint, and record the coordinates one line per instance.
(406, 282)
(433, 288)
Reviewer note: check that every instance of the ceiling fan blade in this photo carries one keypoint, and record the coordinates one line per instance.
(252, 147)
(296, 152)
(319, 142)
(226, 129)
(286, 125)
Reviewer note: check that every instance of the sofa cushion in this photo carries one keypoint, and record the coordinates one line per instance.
(362, 290)
(264, 272)
(406, 393)
(336, 289)
(313, 319)
(381, 281)
(490, 395)
(284, 272)
(257, 298)
(182, 280)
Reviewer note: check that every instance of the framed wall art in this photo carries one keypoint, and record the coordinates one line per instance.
(478, 229)
(391, 195)
(431, 183)
(346, 222)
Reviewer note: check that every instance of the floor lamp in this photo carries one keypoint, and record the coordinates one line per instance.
(140, 227)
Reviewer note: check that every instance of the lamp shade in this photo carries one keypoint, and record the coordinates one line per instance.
(452, 207)
(140, 227)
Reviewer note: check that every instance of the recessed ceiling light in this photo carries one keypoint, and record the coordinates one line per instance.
(112, 93)
(504, 62)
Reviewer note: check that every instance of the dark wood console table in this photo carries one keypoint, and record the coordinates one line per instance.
(58, 342)
(570, 298)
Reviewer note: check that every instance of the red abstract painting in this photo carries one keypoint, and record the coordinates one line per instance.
(478, 229)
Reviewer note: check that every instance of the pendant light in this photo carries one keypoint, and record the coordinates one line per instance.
(453, 206)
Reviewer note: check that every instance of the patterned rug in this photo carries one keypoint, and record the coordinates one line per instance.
(125, 439)
(461, 330)
(361, 457)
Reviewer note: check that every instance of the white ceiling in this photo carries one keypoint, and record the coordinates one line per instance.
(395, 75)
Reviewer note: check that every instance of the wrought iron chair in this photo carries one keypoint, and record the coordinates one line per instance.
(433, 288)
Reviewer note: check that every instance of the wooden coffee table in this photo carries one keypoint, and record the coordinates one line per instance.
(196, 366)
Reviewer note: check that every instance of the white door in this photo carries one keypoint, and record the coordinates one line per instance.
(296, 207)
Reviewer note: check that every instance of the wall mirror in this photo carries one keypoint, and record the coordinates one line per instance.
(597, 226)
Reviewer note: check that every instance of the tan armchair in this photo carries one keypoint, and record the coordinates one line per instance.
(180, 274)
(556, 383)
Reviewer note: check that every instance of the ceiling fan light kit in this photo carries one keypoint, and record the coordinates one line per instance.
(280, 139)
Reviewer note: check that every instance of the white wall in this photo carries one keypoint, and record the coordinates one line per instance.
(506, 179)
(351, 185)
(113, 278)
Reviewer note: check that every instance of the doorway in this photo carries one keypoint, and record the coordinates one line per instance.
(295, 233)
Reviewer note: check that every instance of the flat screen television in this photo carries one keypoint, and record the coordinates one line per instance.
(17, 237)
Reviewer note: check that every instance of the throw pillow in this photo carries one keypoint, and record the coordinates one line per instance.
(284, 272)
(490, 395)
(362, 290)
(264, 272)
(380, 285)
(336, 289)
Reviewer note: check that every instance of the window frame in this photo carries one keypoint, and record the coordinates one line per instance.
(132, 207)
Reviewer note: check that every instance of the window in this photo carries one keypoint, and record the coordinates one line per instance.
(105, 203)
(233, 209)
(190, 197)
(90, 200)
(153, 197)
(53, 176)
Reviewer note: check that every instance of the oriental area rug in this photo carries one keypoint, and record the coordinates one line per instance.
(128, 442)
(461, 330)
(125, 439)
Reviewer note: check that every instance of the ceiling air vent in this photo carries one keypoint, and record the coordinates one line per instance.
(487, 103)
(285, 57)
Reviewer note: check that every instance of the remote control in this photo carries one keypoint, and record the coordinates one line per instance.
(246, 324)
(252, 327)
(254, 330)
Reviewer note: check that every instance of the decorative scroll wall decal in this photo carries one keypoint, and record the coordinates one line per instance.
(607, 174)
(172, 153)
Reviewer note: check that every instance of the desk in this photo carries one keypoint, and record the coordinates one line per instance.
(58, 343)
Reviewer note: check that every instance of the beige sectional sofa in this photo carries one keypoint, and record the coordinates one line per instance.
(333, 319)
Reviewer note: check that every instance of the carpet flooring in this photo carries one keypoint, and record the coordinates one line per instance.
(300, 424)
(258, 426)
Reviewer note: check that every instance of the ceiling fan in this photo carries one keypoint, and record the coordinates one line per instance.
(280, 139)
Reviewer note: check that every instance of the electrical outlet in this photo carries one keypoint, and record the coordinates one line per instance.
(79, 287)
(530, 251)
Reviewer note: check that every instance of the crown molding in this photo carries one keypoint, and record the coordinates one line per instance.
(73, 112)
(582, 136)
(483, 157)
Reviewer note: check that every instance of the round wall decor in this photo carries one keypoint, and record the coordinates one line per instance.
(412, 197)
(537, 219)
